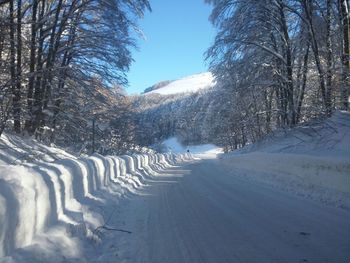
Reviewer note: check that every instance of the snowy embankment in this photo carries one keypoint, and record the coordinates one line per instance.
(312, 161)
(50, 201)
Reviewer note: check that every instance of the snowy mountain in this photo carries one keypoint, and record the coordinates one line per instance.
(182, 108)
(157, 86)
(187, 84)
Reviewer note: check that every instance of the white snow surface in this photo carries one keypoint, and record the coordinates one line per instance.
(188, 84)
(312, 161)
(173, 145)
(205, 212)
(248, 206)
(55, 207)
(330, 137)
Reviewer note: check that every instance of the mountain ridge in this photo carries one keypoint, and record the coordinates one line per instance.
(187, 84)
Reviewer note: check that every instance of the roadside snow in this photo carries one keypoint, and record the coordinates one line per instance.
(201, 213)
(330, 137)
(313, 161)
(55, 207)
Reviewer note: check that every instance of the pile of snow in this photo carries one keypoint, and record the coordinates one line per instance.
(14, 150)
(173, 145)
(312, 161)
(54, 206)
(330, 137)
(187, 84)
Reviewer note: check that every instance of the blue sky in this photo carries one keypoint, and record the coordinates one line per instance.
(177, 34)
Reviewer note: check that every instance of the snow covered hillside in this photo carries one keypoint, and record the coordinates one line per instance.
(188, 84)
(55, 207)
(312, 160)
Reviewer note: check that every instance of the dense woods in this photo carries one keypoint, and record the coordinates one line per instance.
(189, 117)
(57, 59)
(280, 62)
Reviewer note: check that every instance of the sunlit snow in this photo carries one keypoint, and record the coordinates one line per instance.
(188, 84)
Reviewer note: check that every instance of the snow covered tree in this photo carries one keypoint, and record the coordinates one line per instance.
(282, 58)
(51, 49)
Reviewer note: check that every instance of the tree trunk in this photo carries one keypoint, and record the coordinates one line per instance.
(289, 67)
(344, 6)
(300, 98)
(268, 108)
(32, 65)
(329, 61)
(14, 76)
(51, 56)
(38, 92)
(307, 4)
(17, 121)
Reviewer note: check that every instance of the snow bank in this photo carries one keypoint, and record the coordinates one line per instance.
(324, 179)
(330, 137)
(45, 205)
(312, 161)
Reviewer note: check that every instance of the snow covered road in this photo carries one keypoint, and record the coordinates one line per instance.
(201, 212)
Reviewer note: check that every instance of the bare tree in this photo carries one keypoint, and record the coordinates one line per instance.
(345, 25)
(50, 50)
(282, 57)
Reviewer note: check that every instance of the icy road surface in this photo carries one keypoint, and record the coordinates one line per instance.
(201, 212)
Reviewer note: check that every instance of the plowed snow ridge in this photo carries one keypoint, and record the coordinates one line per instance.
(39, 200)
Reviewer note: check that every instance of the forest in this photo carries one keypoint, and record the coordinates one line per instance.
(63, 65)
(282, 62)
(278, 64)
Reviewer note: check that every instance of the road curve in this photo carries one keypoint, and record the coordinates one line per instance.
(202, 213)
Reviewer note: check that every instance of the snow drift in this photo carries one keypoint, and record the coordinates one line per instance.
(45, 205)
(312, 161)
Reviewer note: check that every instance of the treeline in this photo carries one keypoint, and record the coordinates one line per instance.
(56, 56)
(185, 116)
(279, 63)
(195, 118)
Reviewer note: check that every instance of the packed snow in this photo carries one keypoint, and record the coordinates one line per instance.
(188, 84)
(245, 206)
(203, 212)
